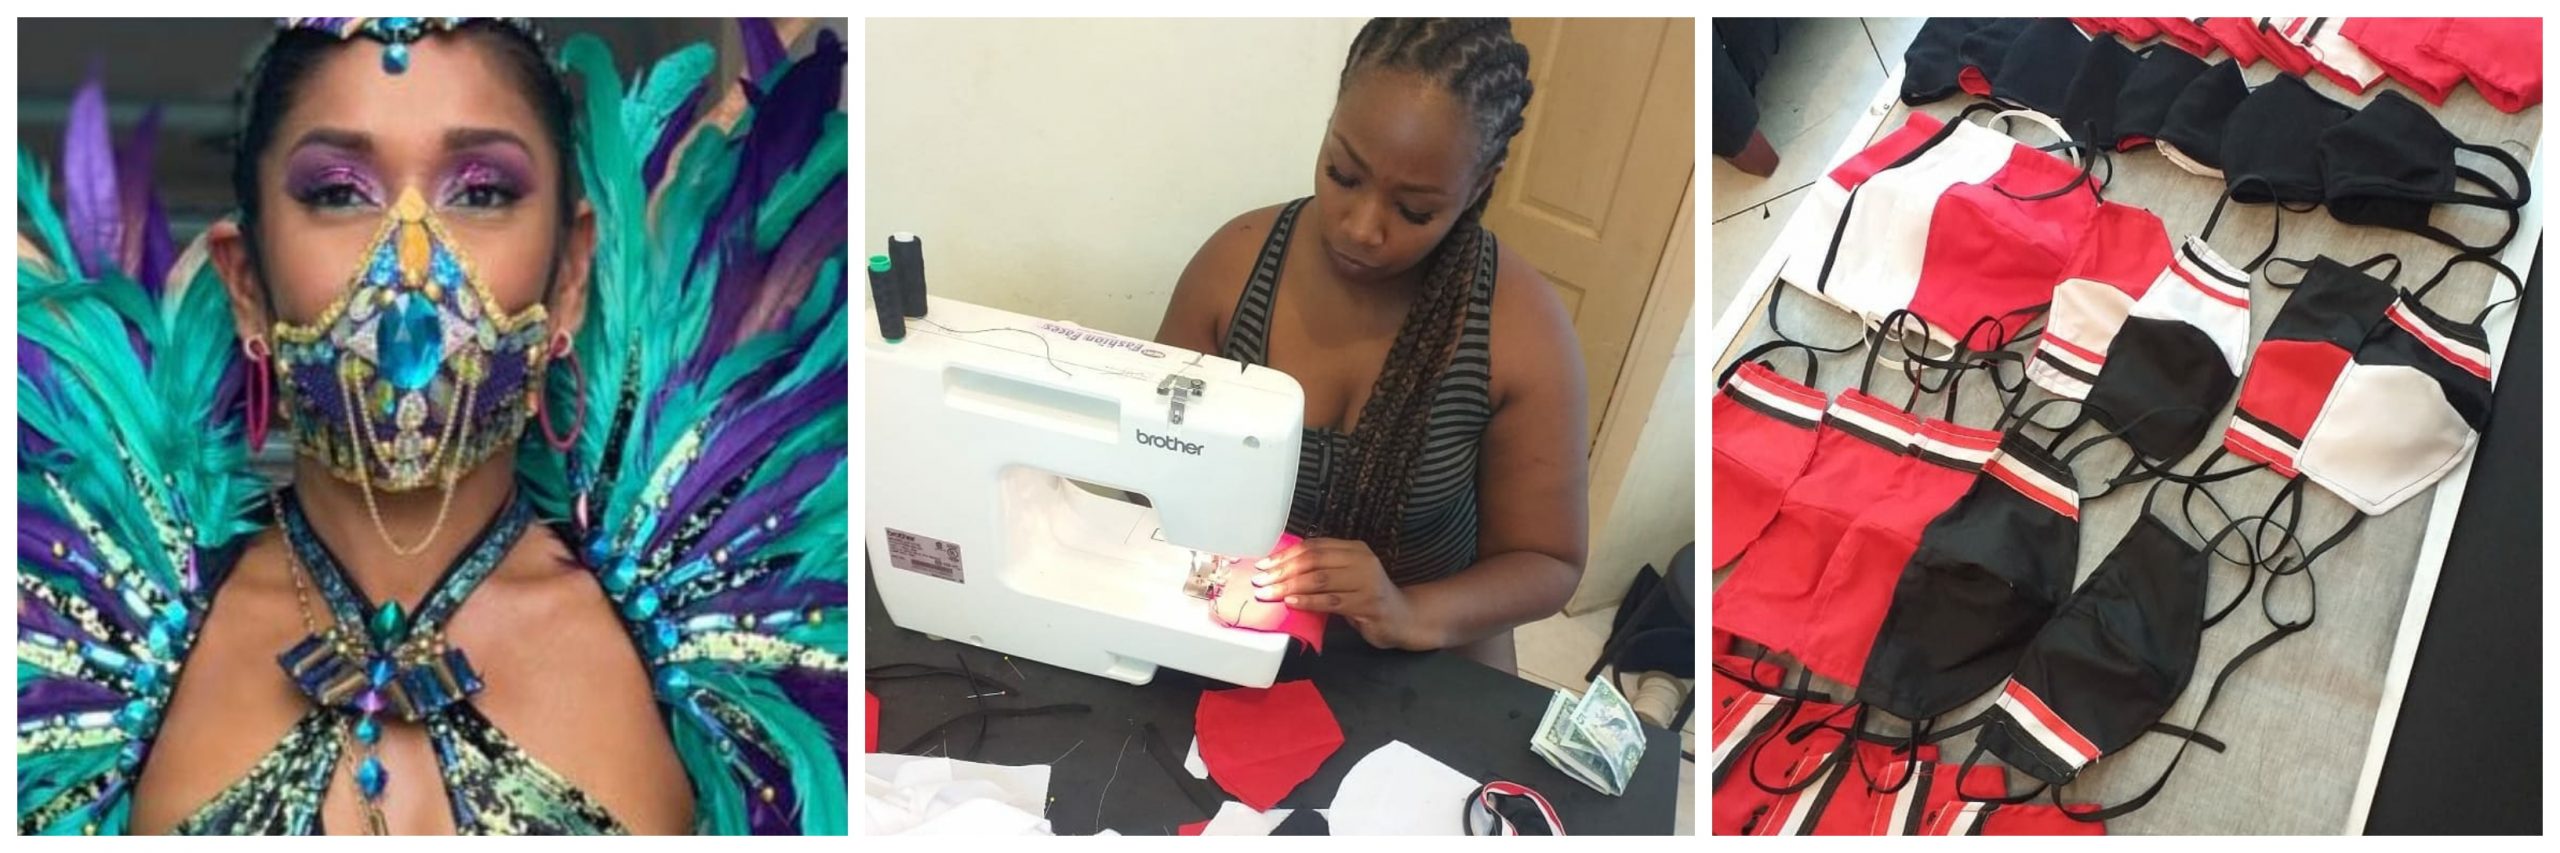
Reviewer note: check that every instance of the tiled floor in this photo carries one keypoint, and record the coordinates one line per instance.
(1827, 70)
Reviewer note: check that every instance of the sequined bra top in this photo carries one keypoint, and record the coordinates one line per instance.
(375, 664)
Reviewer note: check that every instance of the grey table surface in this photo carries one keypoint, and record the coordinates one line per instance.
(2297, 718)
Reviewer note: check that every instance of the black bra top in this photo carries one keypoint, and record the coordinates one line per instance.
(2195, 121)
(2275, 134)
(2153, 85)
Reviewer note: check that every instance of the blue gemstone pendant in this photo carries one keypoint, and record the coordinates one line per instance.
(368, 731)
(370, 777)
(411, 338)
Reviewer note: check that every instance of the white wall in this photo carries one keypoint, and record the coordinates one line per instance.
(1656, 509)
(1067, 169)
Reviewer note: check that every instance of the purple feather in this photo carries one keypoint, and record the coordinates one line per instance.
(53, 696)
(777, 498)
(677, 128)
(818, 236)
(744, 440)
(38, 530)
(780, 816)
(89, 179)
(765, 595)
(788, 122)
(135, 198)
(764, 47)
(159, 249)
(231, 397)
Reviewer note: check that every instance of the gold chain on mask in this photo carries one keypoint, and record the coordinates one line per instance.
(357, 409)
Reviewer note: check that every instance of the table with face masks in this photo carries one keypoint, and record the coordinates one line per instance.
(2297, 722)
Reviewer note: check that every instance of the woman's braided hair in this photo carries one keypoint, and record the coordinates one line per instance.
(1476, 61)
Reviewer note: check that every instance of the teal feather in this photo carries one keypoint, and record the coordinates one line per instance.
(35, 207)
(802, 185)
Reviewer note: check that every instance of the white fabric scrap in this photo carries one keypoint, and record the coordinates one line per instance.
(1397, 790)
(915, 795)
(1191, 762)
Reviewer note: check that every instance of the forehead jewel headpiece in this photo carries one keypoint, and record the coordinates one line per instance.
(396, 34)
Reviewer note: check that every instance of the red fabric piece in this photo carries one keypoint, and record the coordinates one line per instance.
(2094, 27)
(870, 723)
(2394, 44)
(1260, 744)
(2238, 37)
(2285, 54)
(1857, 808)
(2132, 29)
(1742, 807)
(1761, 447)
(1972, 81)
(2035, 819)
(1915, 129)
(2186, 35)
(1237, 607)
(2501, 56)
(1857, 585)
(1991, 254)
(1192, 828)
(2288, 383)
(1768, 598)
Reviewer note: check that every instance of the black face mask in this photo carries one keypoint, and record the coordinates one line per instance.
(2275, 134)
(1987, 573)
(2092, 109)
(2110, 664)
(2392, 163)
(2196, 121)
(2150, 89)
(2037, 67)
(1931, 64)
(1983, 52)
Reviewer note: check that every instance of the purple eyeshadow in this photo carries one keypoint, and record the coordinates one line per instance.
(313, 168)
(494, 166)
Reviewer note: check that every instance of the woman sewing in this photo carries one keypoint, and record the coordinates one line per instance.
(1441, 486)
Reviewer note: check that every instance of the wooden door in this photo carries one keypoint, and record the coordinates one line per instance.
(1599, 169)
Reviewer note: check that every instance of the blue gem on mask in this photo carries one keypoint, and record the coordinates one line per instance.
(411, 338)
(445, 271)
(395, 58)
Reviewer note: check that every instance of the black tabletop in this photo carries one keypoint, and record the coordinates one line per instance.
(1104, 774)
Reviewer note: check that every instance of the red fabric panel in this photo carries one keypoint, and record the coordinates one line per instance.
(2238, 37)
(1742, 807)
(1990, 255)
(2186, 35)
(1857, 587)
(870, 723)
(1769, 595)
(1259, 744)
(1856, 807)
(1915, 129)
(2125, 247)
(2036, 819)
(1756, 458)
(2394, 44)
(2502, 56)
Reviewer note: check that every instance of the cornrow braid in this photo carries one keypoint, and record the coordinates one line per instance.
(1477, 61)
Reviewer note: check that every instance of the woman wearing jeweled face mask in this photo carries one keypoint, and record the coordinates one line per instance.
(563, 384)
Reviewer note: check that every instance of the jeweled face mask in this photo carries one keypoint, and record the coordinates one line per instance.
(416, 374)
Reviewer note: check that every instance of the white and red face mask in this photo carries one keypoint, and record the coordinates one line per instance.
(1942, 220)
(2363, 389)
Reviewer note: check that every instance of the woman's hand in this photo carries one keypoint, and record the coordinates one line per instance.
(1342, 576)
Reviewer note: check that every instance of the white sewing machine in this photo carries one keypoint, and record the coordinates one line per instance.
(979, 419)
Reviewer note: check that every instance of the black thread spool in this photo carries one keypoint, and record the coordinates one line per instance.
(885, 299)
(906, 260)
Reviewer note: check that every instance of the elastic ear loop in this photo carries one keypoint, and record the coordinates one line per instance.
(2275, 230)
(2364, 266)
(1777, 294)
(1797, 736)
(2282, 629)
(2516, 284)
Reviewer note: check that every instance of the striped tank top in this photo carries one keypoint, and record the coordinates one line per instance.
(1438, 530)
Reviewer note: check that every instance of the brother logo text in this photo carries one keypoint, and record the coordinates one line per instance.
(1167, 442)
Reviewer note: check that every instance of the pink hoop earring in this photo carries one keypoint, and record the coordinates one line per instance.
(561, 348)
(261, 390)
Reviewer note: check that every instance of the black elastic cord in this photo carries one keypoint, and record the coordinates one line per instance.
(2515, 283)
